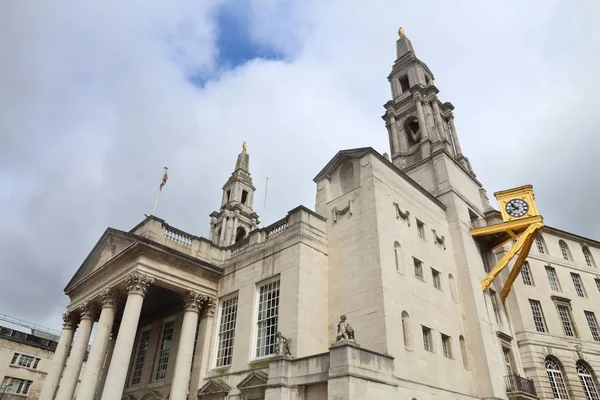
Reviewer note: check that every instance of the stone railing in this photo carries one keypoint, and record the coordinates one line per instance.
(178, 237)
(276, 228)
(516, 383)
(240, 246)
(483, 222)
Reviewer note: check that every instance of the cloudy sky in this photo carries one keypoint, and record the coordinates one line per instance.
(96, 97)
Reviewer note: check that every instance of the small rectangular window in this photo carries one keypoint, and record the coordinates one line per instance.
(437, 280)
(421, 229)
(507, 360)
(447, 346)
(552, 278)
(418, 268)
(593, 323)
(565, 317)
(227, 331)
(404, 84)
(538, 316)
(427, 343)
(228, 195)
(268, 315)
(164, 351)
(526, 274)
(244, 196)
(495, 307)
(15, 358)
(138, 365)
(578, 284)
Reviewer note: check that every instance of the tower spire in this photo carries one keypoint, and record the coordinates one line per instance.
(236, 218)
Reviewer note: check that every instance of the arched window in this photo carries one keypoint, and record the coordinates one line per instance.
(406, 329)
(347, 176)
(398, 257)
(557, 382)
(564, 249)
(587, 381)
(541, 246)
(463, 351)
(452, 288)
(240, 234)
(587, 254)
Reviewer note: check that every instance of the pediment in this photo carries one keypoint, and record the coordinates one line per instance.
(111, 243)
(214, 386)
(254, 380)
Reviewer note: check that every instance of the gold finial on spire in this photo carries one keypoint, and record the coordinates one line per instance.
(244, 146)
(401, 32)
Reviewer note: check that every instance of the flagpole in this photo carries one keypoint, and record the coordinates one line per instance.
(159, 192)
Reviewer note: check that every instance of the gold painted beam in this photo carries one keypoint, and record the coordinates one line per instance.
(519, 263)
(519, 225)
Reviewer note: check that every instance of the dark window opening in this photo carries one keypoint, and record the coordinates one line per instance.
(427, 80)
(413, 130)
(228, 194)
(240, 234)
(244, 196)
(404, 85)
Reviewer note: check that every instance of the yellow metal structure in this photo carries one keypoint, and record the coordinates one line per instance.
(521, 221)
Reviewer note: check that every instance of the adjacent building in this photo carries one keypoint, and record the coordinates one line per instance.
(374, 294)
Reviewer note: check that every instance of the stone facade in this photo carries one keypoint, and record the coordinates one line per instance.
(254, 313)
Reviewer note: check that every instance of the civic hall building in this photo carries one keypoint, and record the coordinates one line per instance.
(255, 313)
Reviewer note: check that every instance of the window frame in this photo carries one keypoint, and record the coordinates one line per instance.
(586, 379)
(418, 264)
(495, 305)
(590, 317)
(587, 255)
(143, 330)
(447, 346)
(578, 285)
(421, 231)
(17, 361)
(564, 250)
(157, 356)
(526, 275)
(553, 374)
(255, 347)
(552, 275)
(542, 318)
(234, 295)
(566, 318)
(22, 385)
(436, 277)
(540, 244)
(427, 334)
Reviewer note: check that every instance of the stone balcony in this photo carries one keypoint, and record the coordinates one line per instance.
(519, 388)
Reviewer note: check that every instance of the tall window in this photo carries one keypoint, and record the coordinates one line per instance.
(578, 284)
(565, 318)
(552, 278)
(23, 360)
(463, 352)
(538, 316)
(268, 314)
(597, 283)
(406, 329)
(495, 307)
(526, 274)
(164, 351)
(418, 268)
(427, 342)
(589, 260)
(136, 374)
(398, 257)
(447, 346)
(436, 278)
(16, 385)
(593, 324)
(564, 249)
(421, 229)
(557, 383)
(227, 331)
(587, 381)
(507, 362)
(539, 243)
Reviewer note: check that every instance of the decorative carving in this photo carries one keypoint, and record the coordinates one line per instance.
(417, 96)
(404, 215)
(579, 351)
(192, 301)
(109, 298)
(283, 345)
(401, 32)
(207, 306)
(108, 251)
(345, 331)
(68, 321)
(347, 209)
(439, 239)
(138, 283)
(87, 310)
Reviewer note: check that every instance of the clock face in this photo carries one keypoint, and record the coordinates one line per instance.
(517, 208)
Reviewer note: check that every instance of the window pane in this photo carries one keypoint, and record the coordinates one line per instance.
(552, 279)
(593, 324)
(557, 382)
(526, 274)
(136, 374)
(538, 316)
(268, 314)
(578, 285)
(227, 331)
(565, 318)
(165, 351)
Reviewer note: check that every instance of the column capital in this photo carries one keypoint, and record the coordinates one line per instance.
(69, 321)
(208, 306)
(192, 301)
(138, 283)
(87, 310)
(109, 298)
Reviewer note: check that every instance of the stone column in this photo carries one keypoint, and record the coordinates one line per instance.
(235, 224)
(60, 356)
(183, 361)
(223, 231)
(137, 286)
(204, 346)
(438, 120)
(106, 362)
(421, 117)
(93, 367)
(68, 383)
(394, 134)
(454, 136)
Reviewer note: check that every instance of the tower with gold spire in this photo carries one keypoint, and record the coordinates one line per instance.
(236, 218)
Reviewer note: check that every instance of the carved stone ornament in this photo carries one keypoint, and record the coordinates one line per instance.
(192, 301)
(87, 310)
(207, 306)
(345, 331)
(283, 345)
(68, 321)
(404, 215)
(347, 209)
(439, 239)
(138, 283)
(579, 351)
(109, 299)
(108, 251)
